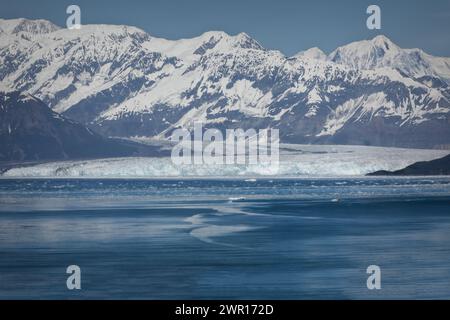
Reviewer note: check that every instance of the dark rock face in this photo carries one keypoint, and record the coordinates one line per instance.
(30, 131)
(424, 168)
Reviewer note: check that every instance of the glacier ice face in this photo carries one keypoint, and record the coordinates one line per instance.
(295, 160)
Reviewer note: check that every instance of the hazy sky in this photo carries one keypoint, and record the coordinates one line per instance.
(287, 25)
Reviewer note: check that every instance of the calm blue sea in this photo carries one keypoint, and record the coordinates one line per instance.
(225, 239)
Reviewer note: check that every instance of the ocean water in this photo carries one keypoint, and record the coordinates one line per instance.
(225, 239)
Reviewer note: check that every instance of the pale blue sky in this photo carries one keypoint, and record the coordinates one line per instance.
(286, 25)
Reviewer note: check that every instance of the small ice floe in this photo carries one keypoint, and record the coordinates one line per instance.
(335, 200)
(236, 198)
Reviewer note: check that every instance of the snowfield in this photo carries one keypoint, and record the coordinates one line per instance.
(295, 160)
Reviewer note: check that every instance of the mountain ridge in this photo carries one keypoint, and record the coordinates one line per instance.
(382, 52)
(121, 81)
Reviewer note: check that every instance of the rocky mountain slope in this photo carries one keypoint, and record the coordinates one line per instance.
(435, 167)
(30, 131)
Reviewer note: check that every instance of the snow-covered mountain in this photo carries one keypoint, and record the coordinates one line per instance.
(122, 81)
(381, 52)
(24, 27)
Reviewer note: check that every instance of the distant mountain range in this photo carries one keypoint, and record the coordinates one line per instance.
(122, 82)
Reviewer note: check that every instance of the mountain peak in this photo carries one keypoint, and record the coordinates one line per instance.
(366, 54)
(15, 26)
(247, 42)
(381, 52)
(214, 34)
(242, 40)
(312, 53)
(379, 45)
(383, 41)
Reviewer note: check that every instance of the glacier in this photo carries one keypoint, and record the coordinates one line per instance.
(295, 161)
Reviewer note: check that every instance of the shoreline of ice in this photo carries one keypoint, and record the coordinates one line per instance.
(296, 161)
